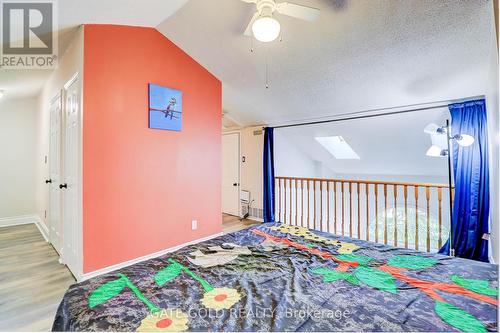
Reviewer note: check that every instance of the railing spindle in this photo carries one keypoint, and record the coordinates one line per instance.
(284, 199)
(291, 206)
(321, 205)
(342, 187)
(367, 191)
(395, 215)
(327, 206)
(301, 203)
(385, 214)
(406, 215)
(440, 218)
(335, 207)
(296, 203)
(350, 209)
(314, 204)
(279, 199)
(359, 212)
(416, 218)
(276, 198)
(308, 206)
(428, 198)
(376, 213)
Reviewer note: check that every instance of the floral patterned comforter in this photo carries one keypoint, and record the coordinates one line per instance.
(286, 278)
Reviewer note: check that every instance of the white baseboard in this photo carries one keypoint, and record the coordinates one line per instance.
(17, 220)
(108, 269)
(42, 227)
(26, 219)
(257, 219)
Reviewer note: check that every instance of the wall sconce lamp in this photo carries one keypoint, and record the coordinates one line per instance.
(439, 136)
(441, 143)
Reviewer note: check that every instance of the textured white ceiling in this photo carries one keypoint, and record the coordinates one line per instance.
(147, 13)
(360, 54)
(72, 13)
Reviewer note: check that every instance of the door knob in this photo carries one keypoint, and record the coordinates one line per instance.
(47, 181)
(235, 184)
(61, 186)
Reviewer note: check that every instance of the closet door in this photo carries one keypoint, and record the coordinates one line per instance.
(70, 187)
(231, 174)
(55, 223)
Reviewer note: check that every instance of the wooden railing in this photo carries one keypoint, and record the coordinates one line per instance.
(413, 215)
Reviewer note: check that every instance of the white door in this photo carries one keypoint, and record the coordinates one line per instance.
(70, 187)
(231, 173)
(55, 225)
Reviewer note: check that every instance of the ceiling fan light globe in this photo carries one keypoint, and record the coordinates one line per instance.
(266, 29)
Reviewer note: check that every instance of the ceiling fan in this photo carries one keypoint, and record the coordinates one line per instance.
(265, 28)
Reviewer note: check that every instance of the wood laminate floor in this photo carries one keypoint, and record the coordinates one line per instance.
(232, 223)
(32, 282)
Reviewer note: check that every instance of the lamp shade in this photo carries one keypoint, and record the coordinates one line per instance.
(465, 140)
(266, 29)
(431, 128)
(434, 151)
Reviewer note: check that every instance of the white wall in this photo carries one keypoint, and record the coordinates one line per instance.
(292, 162)
(70, 62)
(18, 151)
(492, 105)
(251, 170)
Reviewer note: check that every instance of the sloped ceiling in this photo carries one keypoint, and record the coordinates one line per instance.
(360, 54)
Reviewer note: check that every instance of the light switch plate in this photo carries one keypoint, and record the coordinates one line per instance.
(194, 224)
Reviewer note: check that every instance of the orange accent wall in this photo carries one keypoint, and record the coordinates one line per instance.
(142, 187)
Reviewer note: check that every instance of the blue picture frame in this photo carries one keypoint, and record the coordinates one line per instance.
(165, 108)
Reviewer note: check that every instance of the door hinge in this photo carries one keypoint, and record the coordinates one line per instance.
(45, 213)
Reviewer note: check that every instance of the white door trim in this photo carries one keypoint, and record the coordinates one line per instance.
(56, 99)
(74, 78)
(239, 166)
(79, 221)
(80, 180)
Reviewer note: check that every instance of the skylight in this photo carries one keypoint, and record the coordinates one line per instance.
(338, 147)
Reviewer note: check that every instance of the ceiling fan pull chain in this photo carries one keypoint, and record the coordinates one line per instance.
(251, 44)
(267, 69)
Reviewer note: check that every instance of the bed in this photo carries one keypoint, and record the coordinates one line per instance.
(287, 278)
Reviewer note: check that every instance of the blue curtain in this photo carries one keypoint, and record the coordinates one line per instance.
(268, 174)
(471, 173)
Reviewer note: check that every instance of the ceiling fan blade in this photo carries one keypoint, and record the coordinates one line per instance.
(250, 1)
(248, 30)
(298, 11)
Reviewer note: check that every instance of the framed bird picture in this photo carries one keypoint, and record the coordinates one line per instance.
(165, 108)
